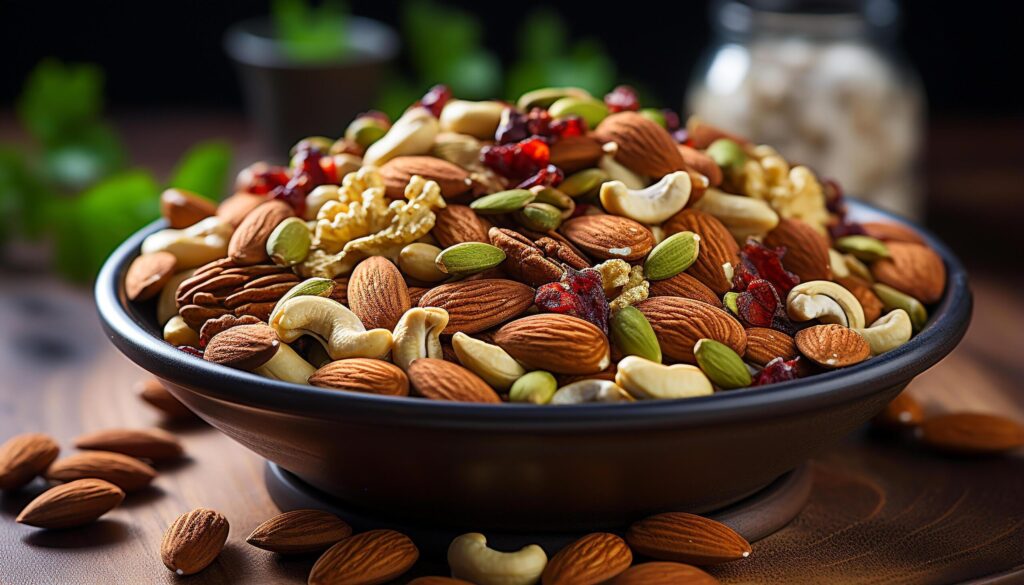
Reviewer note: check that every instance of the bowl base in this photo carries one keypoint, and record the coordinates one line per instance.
(754, 517)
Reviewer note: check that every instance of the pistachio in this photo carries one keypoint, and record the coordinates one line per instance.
(540, 217)
(458, 149)
(654, 115)
(503, 201)
(412, 134)
(583, 182)
(477, 119)
(723, 366)
(590, 391)
(863, 248)
(565, 204)
(365, 130)
(318, 287)
(289, 243)
(488, 361)
(673, 255)
(888, 332)
(417, 261)
(645, 379)
(743, 216)
(893, 299)
(727, 154)
(537, 387)
(633, 334)
(178, 333)
(468, 258)
(825, 301)
(650, 205)
(544, 97)
(729, 301)
(592, 110)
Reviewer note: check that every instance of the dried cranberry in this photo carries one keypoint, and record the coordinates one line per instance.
(671, 120)
(835, 202)
(261, 178)
(622, 98)
(580, 293)
(307, 162)
(549, 176)
(568, 126)
(517, 161)
(758, 261)
(760, 306)
(435, 99)
(778, 370)
(192, 351)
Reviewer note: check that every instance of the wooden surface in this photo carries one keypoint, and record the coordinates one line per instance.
(881, 510)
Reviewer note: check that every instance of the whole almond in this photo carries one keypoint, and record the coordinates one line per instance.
(248, 245)
(806, 249)
(912, 269)
(397, 172)
(377, 293)
(686, 538)
(686, 286)
(717, 247)
(696, 160)
(127, 473)
(644, 146)
(193, 541)
(609, 236)
(154, 444)
(867, 297)
(441, 380)
(362, 375)
(23, 457)
(183, 208)
(72, 504)
(244, 347)
(456, 224)
(902, 412)
(892, 232)
(680, 323)
(477, 305)
(701, 134)
(592, 559)
(574, 153)
(970, 433)
(368, 558)
(300, 531)
(556, 343)
(664, 573)
(764, 345)
(148, 274)
(153, 392)
(832, 346)
(234, 209)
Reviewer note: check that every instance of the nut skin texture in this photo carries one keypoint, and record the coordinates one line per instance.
(644, 146)
(892, 232)
(362, 375)
(575, 153)
(832, 346)
(183, 208)
(148, 274)
(397, 172)
(680, 323)
(23, 457)
(478, 305)
(867, 298)
(594, 558)
(696, 160)
(969, 433)
(912, 269)
(441, 380)
(299, 532)
(686, 286)
(377, 293)
(555, 343)
(248, 245)
(193, 541)
(717, 247)
(153, 444)
(127, 473)
(524, 260)
(806, 249)
(764, 345)
(72, 504)
(456, 224)
(664, 573)
(234, 209)
(245, 347)
(154, 393)
(609, 236)
(686, 538)
(367, 558)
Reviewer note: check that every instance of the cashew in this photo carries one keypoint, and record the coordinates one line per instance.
(645, 379)
(837, 263)
(825, 301)
(477, 119)
(317, 197)
(470, 558)
(286, 365)
(590, 391)
(742, 216)
(166, 304)
(417, 335)
(618, 172)
(411, 134)
(652, 205)
(332, 324)
(888, 331)
(178, 333)
(490, 362)
(193, 246)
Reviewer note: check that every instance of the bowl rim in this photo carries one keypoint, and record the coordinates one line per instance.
(947, 324)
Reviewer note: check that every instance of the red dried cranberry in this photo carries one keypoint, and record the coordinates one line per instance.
(549, 176)
(330, 170)
(307, 162)
(435, 99)
(758, 261)
(580, 293)
(778, 370)
(517, 161)
(760, 306)
(568, 126)
(622, 98)
(192, 351)
(262, 178)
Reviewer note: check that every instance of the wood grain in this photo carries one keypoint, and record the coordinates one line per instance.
(882, 509)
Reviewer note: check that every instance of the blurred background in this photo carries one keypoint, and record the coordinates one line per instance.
(909, 105)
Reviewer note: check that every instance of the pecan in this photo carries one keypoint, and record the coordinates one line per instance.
(524, 261)
(562, 251)
(223, 288)
(223, 323)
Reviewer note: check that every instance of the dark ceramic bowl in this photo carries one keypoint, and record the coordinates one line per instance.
(521, 467)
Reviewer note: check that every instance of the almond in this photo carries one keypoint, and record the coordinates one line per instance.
(969, 433)
(644, 146)
(892, 232)
(193, 541)
(154, 444)
(477, 305)
(686, 286)
(72, 504)
(153, 392)
(680, 323)
(806, 249)
(664, 573)
(702, 134)
(234, 209)
(867, 298)
(183, 208)
(902, 412)
(717, 247)
(832, 346)
(574, 153)
(244, 347)
(593, 559)
(248, 244)
(609, 236)
(300, 531)
(686, 538)
(764, 345)
(127, 473)
(440, 380)
(148, 274)
(696, 160)
(452, 179)
(456, 224)
(23, 457)
(376, 556)
(912, 269)
(377, 293)
(362, 375)
(557, 343)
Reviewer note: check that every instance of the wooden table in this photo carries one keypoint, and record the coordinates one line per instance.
(881, 510)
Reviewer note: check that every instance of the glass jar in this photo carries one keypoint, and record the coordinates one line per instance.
(822, 82)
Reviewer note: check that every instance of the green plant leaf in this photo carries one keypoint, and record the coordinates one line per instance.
(310, 33)
(23, 196)
(203, 169)
(60, 100)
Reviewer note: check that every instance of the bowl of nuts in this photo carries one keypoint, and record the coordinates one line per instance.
(560, 313)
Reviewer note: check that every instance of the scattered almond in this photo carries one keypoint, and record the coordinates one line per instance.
(154, 444)
(148, 274)
(362, 375)
(664, 573)
(154, 393)
(183, 208)
(23, 457)
(680, 323)
(764, 345)
(72, 504)
(441, 380)
(594, 558)
(609, 236)
(902, 412)
(299, 531)
(477, 305)
(717, 247)
(376, 556)
(832, 346)
(555, 343)
(248, 243)
(127, 473)
(969, 433)
(912, 269)
(193, 541)
(686, 538)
